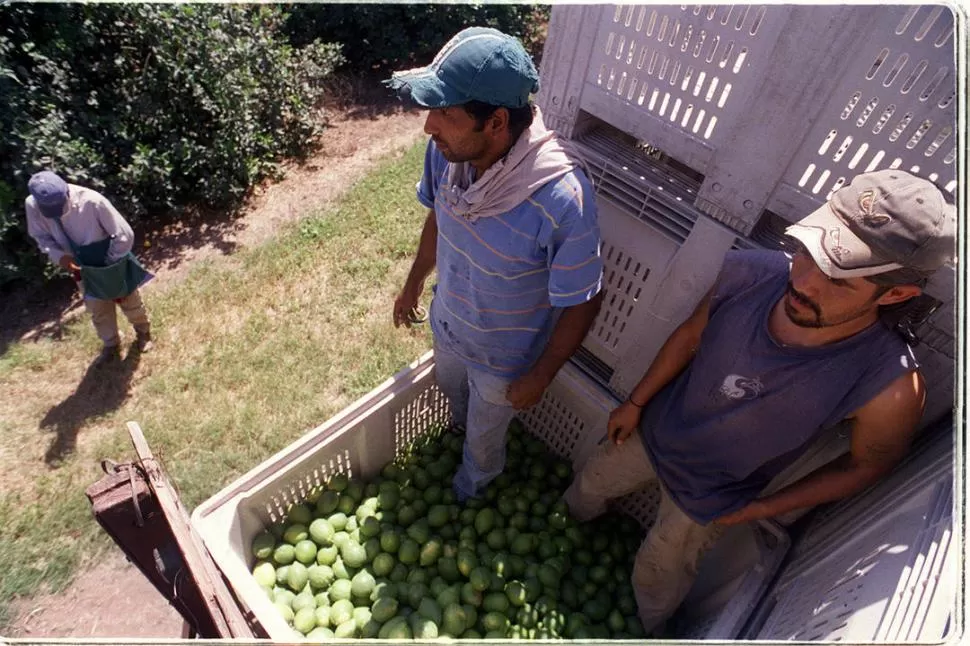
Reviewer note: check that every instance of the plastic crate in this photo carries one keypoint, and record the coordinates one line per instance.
(879, 567)
(570, 419)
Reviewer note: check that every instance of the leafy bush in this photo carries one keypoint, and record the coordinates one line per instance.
(157, 106)
(389, 36)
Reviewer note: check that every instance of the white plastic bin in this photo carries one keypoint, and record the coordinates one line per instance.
(570, 419)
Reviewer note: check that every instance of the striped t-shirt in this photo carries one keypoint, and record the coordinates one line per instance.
(503, 280)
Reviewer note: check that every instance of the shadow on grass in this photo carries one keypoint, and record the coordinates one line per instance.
(102, 390)
(36, 309)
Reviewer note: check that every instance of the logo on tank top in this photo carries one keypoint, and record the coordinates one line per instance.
(740, 387)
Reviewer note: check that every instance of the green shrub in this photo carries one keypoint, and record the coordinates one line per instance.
(157, 106)
(389, 36)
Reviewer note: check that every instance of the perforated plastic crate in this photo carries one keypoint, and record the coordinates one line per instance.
(570, 419)
(880, 567)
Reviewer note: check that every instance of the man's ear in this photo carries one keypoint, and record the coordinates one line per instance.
(898, 294)
(498, 123)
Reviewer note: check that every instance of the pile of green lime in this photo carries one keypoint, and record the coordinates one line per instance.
(399, 558)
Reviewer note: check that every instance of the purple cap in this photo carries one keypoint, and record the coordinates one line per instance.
(49, 192)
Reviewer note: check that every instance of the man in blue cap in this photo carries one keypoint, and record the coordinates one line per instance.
(81, 232)
(512, 230)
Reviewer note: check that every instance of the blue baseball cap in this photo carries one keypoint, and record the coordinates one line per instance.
(49, 192)
(477, 64)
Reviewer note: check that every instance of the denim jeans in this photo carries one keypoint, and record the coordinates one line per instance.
(478, 403)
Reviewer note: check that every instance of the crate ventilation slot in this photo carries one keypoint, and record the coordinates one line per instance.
(895, 111)
(819, 605)
(553, 422)
(642, 505)
(427, 409)
(681, 65)
(645, 189)
(593, 366)
(297, 492)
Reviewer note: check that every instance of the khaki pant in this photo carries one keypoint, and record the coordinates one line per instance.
(105, 318)
(666, 563)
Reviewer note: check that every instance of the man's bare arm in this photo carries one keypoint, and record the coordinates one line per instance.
(567, 336)
(881, 434)
(421, 268)
(677, 351)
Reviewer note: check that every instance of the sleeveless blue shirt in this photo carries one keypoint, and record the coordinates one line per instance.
(746, 406)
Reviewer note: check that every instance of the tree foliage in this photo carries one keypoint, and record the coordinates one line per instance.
(157, 106)
(389, 36)
(160, 106)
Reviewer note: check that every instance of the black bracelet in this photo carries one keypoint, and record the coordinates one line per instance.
(630, 399)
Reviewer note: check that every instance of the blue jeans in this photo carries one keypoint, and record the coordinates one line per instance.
(478, 403)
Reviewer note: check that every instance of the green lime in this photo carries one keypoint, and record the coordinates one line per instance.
(340, 611)
(346, 505)
(305, 551)
(263, 545)
(338, 521)
(409, 552)
(370, 527)
(320, 576)
(484, 521)
(295, 533)
(362, 584)
(303, 600)
(265, 574)
(480, 578)
(383, 564)
(383, 609)
(355, 490)
(327, 555)
(346, 630)
(322, 614)
(299, 514)
(321, 532)
(390, 541)
(297, 577)
(327, 503)
(284, 554)
(516, 593)
(339, 590)
(339, 482)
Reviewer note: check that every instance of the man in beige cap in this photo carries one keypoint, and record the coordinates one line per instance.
(783, 346)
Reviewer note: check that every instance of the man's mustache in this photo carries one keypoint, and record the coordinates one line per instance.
(804, 300)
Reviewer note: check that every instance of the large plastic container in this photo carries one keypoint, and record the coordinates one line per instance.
(570, 419)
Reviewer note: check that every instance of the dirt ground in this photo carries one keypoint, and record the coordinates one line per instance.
(113, 599)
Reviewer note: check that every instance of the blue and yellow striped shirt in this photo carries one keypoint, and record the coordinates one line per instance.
(503, 280)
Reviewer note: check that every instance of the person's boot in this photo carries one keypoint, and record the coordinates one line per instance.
(109, 354)
(143, 341)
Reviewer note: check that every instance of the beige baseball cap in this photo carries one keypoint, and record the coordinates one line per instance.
(879, 222)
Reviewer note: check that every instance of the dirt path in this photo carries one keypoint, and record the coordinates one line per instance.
(113, 599)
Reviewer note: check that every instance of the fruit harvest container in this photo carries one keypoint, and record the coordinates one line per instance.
(570, 419)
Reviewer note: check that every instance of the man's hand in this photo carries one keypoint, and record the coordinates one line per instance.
(623, 421)
(527, 390)
(755, 510)
(67, 262)
(406, 304)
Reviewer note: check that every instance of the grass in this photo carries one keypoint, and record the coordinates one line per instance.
(253, 350)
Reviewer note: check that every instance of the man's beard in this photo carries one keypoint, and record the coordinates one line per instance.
(795, 316)
(819, 321)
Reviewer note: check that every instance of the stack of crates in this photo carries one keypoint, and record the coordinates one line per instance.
(705, 129)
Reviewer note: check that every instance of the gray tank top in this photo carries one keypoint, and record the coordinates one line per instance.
(746, 406)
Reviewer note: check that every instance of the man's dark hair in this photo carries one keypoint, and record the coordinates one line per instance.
(906, 317)
(519, 118)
